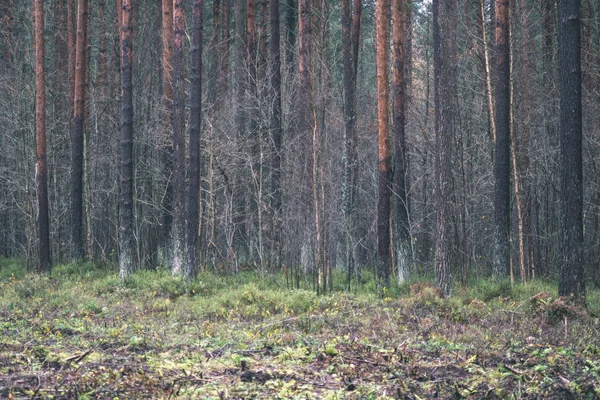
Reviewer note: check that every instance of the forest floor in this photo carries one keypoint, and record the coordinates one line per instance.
(81, 334)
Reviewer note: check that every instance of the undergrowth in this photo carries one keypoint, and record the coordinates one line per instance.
(81, 333)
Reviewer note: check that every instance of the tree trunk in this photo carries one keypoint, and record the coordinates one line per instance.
(239, 218)
(502, 147)
(193, 215)
(290, 34)
(77, 250)
(6, 26)
(488, 72)
(127, 240)
(72, 44)
(350, 189)
(225, 38)
(444, 54)
(178, 230)
(384, 180)
(215, 62)
(276, 126)
(305, 109)
(402, 231)
(43, 224)
(572, 279)
(166, 153)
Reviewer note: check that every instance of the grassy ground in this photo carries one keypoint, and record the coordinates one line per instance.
(82, 334)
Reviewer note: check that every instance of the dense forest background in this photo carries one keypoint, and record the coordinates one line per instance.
(321, 135)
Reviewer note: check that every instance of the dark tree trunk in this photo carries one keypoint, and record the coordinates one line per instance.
(356, 16)
(102, 74)
(291, 14)
(77, 249)
(43, 224)
(127, 241)
(215, 62)
(444, 54)
(305, 91)
(193, 214)
(251, 43)
(71, 46)
(384, 180)
(239, 217)
(350, 39)
(178, 230)
(502, 146)
(166, 154)
(263, 29)
(402, 237)
(6, 26)
(225, 38)
(522, 138)
(276, 126)
(572, 279)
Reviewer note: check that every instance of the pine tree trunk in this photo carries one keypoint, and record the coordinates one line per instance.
(290, 34)
(402, 236)
(225, 38)
(77, 250)
(305, 108)
(166, 153)
(384, 179)
(178, 230)
(193, 215)
(71, 45)
(349, 46)
(43, 224)
(239, 218)
(127, 241)
(502, 146)
(572, 278)
(276, 126)
(444, 54)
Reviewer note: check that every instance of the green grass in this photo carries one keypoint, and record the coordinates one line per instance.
(81, 333)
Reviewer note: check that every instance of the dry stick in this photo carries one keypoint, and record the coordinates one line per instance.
(79, 357)
(513, 370)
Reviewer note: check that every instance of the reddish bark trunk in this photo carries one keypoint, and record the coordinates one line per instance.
(383, 209)
(77, 248)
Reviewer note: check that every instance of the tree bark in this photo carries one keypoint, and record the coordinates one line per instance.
(488, 71)
(179, 229)
(166, 153)
(72, 45)
(502, 146)
(572, 279)
(193, 215)
(225, 38)
(276, 125)
(305, 99)
(43, 224)
(239, 213)
(350, 41)
(444, 54)
(402, 236)
(77, 248)
(127, 240)
(384, 179)
(290, 33)
(215, 62)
